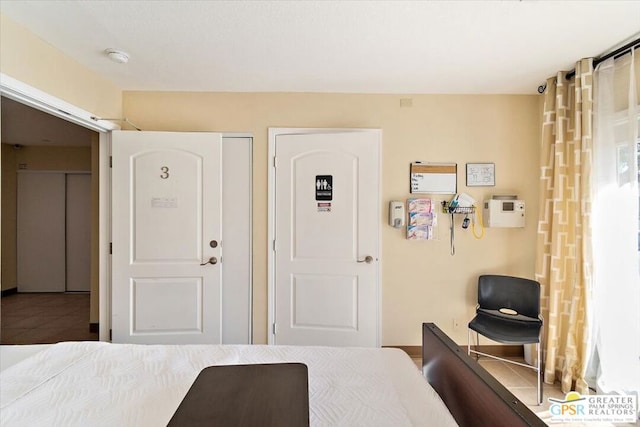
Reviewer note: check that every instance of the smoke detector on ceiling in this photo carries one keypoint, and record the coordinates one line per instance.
(117, 56)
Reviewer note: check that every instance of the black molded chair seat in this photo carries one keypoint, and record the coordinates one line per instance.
(508, 312)
(505, 330)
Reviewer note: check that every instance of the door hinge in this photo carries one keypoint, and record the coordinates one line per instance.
(110, 248)
(275, 161)
(110, 161)
(274, 329)
(274, 245)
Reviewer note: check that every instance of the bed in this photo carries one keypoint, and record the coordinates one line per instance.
(103, 384)
(471, 394)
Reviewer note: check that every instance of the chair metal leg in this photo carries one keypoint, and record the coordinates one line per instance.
(539, 372)
(475, 351)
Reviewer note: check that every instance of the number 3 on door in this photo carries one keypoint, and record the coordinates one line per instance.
(165, 172)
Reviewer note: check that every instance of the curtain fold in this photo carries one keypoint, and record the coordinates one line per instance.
(563, 262)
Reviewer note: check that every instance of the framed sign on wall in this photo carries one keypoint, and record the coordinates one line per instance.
(481, 174)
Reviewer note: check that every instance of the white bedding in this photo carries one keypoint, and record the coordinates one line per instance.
(102, 384)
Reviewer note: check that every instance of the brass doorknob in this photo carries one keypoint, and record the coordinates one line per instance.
(368, 259)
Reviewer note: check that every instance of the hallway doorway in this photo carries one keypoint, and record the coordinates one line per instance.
(35, 143)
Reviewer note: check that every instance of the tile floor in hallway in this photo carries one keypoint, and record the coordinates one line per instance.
(43, 318)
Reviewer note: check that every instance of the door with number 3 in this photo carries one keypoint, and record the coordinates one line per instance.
(166, 284)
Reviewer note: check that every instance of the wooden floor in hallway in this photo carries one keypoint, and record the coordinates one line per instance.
(44, 318)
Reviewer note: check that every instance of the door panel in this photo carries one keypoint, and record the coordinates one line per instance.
(167, 197)
(332, 233)
(78, 232)
(166, 210)
(167, 305)
(326, 220)
(325, 301)
(41, 232)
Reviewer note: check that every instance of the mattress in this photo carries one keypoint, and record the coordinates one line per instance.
(103, 384)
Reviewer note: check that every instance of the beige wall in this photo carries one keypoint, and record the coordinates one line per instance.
(33, 158)
(33, 61)
(54, 158)
(8, 231)
(420, 280)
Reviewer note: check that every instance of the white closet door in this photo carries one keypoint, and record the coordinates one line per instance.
(78, 232)
(236, 240)
(41, 232)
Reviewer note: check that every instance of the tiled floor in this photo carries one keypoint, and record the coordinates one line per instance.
(521, 382)
(43, 318)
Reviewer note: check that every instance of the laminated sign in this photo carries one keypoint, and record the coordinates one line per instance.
(324, 187)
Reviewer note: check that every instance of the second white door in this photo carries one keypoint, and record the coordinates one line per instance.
(327, 238)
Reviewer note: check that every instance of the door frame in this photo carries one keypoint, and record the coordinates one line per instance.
(35, 98)
(271, 227)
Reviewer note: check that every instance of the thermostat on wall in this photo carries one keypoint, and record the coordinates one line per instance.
(504, 211)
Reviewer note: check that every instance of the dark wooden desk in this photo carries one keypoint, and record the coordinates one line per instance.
(246, 396)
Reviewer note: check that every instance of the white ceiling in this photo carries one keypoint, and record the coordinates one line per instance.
(468, 47)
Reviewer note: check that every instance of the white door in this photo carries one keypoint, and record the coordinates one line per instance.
(327, 238)
(236, 238)
(78, 223)
(166, 189)
(41, 232)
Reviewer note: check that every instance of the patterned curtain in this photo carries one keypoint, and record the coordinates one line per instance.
(563, 261)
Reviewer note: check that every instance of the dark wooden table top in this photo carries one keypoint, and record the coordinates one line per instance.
(247, 396)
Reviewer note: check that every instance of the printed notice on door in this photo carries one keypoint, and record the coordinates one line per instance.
(164, 202)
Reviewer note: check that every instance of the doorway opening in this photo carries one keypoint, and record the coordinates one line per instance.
(49, 244)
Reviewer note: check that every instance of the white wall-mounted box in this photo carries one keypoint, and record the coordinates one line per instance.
(504, 213)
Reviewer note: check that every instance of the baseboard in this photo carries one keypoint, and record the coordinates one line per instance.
(415, 351)
(94, 328)
(10, 291)
(499, 350)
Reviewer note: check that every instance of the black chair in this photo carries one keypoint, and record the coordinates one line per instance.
(508, 312)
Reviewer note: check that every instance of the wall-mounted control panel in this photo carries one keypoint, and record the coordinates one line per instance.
(504, 211)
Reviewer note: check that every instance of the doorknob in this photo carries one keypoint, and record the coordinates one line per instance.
(212, 260)
(368, 259)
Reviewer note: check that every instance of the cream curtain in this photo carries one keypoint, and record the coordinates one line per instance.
(616, 278)
(563, 262)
